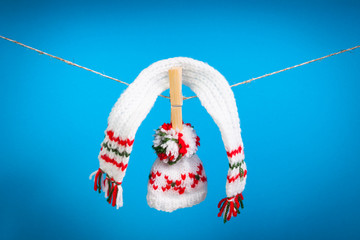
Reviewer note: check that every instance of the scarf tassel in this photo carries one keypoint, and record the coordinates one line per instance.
(97, 181)
(230, 206)
(113, 191)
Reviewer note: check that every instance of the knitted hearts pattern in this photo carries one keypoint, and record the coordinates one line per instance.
(180, 185)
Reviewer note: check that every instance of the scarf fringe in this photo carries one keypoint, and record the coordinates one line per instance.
(113, 190)
(230, 206)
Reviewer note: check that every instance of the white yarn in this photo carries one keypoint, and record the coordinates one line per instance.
(135, 103)
(119, 198)
(103, 181)
(92, 174)
(106, 188)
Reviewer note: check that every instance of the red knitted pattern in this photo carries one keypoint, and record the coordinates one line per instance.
(234, 152)
(122, 142)
(120, 165)
(232, 179)
(177, 184)
(198, 177)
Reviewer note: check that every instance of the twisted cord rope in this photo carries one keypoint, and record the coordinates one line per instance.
(288, 68)
(185, 98)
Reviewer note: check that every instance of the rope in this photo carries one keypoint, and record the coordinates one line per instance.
(288, 68)
(185, 98)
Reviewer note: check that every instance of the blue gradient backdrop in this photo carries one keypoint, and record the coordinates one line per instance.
(301, 128)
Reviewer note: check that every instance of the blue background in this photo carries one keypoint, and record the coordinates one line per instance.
(300, 128)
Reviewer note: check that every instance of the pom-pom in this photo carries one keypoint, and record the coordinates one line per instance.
(171, 145)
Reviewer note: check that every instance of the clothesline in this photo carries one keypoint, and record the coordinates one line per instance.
(185, 98)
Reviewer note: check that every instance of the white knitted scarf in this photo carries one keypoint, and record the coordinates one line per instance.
(131, 109)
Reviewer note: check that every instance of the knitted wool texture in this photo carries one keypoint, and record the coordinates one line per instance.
(177, 178)
(131, 109)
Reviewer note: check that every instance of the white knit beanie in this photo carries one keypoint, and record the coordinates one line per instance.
(177, 178)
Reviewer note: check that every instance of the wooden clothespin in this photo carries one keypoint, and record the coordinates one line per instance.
(176, 98)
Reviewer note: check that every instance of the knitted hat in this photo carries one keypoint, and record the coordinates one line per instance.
(177, 178)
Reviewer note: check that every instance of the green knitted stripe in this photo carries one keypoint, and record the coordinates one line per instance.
(241, 171)
(236, 165)
(122, 154)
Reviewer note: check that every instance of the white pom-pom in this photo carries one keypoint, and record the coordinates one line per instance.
(171, 145)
